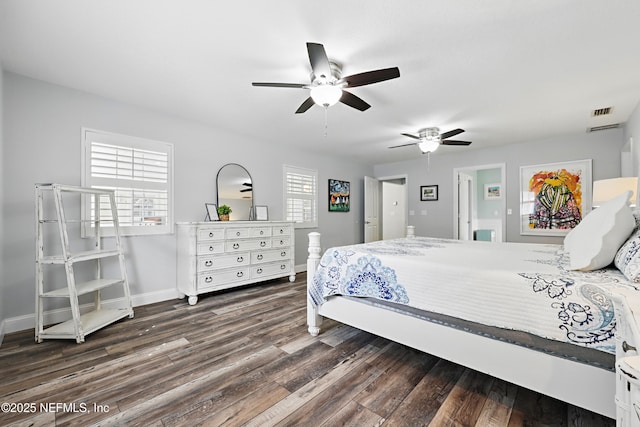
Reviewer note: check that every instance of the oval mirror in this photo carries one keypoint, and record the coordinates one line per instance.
(235, 189)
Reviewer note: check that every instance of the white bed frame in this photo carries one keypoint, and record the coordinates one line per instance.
(576, 383)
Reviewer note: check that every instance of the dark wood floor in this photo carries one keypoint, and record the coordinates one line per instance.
(244, 358)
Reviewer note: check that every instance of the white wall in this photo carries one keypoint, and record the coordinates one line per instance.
(603, 147)
(632, 137)
(42, 144)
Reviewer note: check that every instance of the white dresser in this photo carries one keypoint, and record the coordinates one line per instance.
(225, 254)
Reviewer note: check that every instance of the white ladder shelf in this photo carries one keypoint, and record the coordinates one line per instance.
(83, 324)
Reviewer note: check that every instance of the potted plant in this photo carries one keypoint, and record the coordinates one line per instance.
(223, 212)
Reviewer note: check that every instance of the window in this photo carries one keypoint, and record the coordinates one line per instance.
(301, 196)
(139, 171)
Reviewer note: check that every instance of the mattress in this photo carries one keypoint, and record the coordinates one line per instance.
(513, 287)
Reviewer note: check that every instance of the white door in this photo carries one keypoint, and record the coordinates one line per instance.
(371, 209)
(465, 193)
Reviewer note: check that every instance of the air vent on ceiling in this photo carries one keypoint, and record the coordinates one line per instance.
(603, 127)
(601, 111)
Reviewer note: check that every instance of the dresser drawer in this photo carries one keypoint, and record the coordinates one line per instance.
(210, 248)
(212, 279)
(268, 256)
(210, 234)
(282, 231)
(246, 245)
(223, 261)
(260, 232)
(263, 270)
(281, 242)
(237, 233)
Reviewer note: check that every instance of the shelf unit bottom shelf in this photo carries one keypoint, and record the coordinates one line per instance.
(91, 322)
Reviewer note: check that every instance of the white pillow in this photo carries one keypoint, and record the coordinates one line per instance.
(594, 242)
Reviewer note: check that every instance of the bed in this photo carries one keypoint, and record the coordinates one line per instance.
(528, 318)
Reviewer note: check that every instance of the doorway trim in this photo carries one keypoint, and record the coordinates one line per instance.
(405, 186)
(503, 201)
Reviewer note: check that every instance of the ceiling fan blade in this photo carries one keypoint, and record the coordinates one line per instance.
(308, 103)
(454, 142)
(451, 133)
(291, 85)
(404, 145)
(319, 61)
(411, 136)
(353, 101)
(370, 77)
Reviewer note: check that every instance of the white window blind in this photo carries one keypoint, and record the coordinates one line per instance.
(139, 171)
(301, 196)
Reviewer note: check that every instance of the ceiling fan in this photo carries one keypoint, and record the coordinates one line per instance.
(429, 139)
(327, 84)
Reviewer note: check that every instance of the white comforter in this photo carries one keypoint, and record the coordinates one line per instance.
(525, 287)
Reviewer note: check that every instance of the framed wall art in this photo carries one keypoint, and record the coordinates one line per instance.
(493, 191)
(339, 196)
(554, 197)
(428, 193)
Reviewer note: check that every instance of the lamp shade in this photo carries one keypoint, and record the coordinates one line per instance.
(607, 189)
(326, 94)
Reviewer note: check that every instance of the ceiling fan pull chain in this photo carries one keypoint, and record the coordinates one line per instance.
(326, 113)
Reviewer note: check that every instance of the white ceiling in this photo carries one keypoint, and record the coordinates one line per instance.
(504, 70)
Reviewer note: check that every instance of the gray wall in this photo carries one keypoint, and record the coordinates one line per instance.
(603, 147)
(42, 144)
(3, 300)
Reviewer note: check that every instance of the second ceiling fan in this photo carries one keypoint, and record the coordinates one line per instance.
(429, 139)
(327, 84)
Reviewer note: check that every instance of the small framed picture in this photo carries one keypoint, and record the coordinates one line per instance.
(428, 193)
(212, 212)
(262, 213)
(493, 191)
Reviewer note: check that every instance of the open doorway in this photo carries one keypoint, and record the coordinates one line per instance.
(385, 208)
(479, 203)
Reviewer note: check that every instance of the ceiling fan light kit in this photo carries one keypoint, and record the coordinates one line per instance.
(429, 139)
(326, 95)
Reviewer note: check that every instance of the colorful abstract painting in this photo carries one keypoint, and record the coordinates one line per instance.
(554, 197)
(339, 196)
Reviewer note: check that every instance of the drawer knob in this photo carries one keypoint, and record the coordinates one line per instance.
(240, 259)
(259, 271)
(236, 245)
(263, 244)
(211, 234)
(208, 263)
(281, 231)
(208, 279)
(281, 242)
(261, 232)
(283, 253)
(239, 274)
(282, 266)
(259, 256)
(238, 233)
(210, 248)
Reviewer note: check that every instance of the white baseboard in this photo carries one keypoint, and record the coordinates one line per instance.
(28, 321)
(300, 268)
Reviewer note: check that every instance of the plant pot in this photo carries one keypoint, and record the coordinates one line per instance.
(224, 217)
